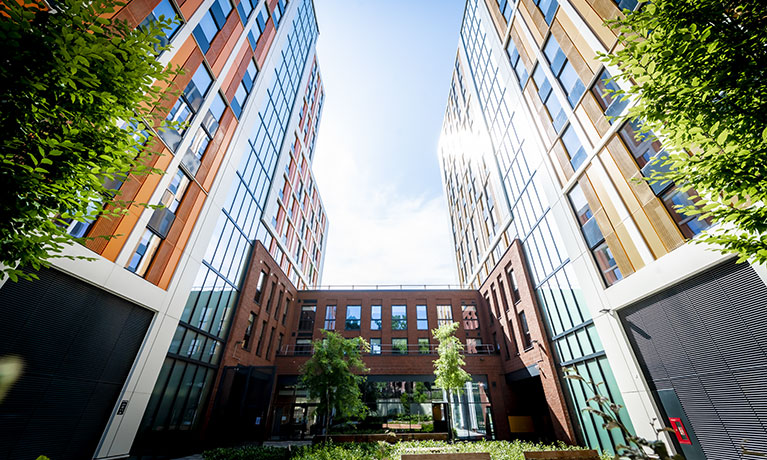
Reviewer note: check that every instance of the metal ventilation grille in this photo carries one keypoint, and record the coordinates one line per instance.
(706, 338)
(78, 344)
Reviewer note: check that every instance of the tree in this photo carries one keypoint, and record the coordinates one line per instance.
(700, 68)
(331, 375)
(448, 367)
(75, 106)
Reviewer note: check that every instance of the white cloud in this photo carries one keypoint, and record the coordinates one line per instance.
(377, 234)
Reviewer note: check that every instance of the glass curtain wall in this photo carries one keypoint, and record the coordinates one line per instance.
(187, 374)
(524, 177)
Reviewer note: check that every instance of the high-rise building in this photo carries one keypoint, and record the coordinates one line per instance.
(127, 346)
(531, 151)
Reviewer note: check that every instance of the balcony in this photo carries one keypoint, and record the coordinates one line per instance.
(411, 349)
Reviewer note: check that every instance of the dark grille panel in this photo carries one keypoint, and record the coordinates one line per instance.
(78, 344)
(706, 339)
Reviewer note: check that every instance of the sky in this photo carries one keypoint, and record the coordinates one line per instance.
(386, 67)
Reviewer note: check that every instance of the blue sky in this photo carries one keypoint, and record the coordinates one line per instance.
(386, 67)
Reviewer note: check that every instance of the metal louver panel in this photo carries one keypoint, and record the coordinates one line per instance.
(706, 339)
(78, 344)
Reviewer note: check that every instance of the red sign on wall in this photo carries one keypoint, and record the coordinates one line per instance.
(681, 433)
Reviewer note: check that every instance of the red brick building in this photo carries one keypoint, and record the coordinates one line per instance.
(515, 392)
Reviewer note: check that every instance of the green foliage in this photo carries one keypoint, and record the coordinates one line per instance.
(637, 448)
(700, 68)
(499, 450)
(331, 375)
(71, 77)
(247, 453)
(448, 367)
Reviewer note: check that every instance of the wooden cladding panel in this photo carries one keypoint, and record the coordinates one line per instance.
(188, 7)
(573, 55)
(540, 109)
(526, 53)
(498, 20)
(135, 189)
(264, 43)
(619, 254)
(222, 45)
(629, 245)
(665, 226)
(189, 57)
(136, 11)
(595, 114)
(595, 22)
(562, 161)
(585, 50)
(625, 192)
(534, 19)
(232, 80)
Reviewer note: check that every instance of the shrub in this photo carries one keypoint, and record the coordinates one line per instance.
(247, 453)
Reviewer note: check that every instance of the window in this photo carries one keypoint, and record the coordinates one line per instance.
(330, 318)
(211, 23)
(548, 8)
(549, 99)
(270, 301)
(303, 347)
(505, 7)
(248, 331)
(526, 339)
(186, 105)
(244, 8)
(514, 285)
(260, 345)
(593, 236)
(626, 4)
(563, 71)
(422, 323)
(269, 346)
(353, 317)
(603, 91)
(399, 317)
(424, 347)
(144, 253)
(504, 300)
(573, 146)
(471, 346)
(470, 318)
(375, 346)
(205, 132)
(444, 314)
(375, 318)
(649, 155)
(399, 346)
(245, 87)
(306, 322)
(258, 27)
(517, 63)
(285, 311)
(162, 219)
(163, 11)
(260, 287)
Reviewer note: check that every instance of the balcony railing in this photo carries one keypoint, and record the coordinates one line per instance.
(389, 287)
(391, 350)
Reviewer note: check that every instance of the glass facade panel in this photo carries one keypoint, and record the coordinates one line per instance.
(353, 317)
(399, 317)
(444, 314)
(421, 318)
(375, 318)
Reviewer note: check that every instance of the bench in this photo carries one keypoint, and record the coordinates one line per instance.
(448, 456)
(562, 455)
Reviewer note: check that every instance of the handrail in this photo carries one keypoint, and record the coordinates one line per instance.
(389, 349)
(389, 287)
